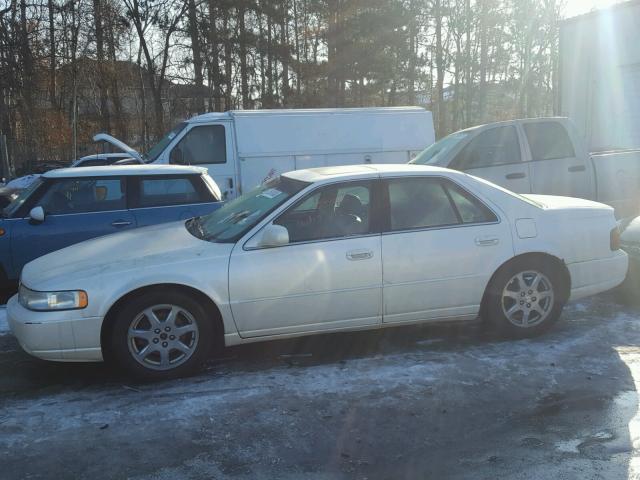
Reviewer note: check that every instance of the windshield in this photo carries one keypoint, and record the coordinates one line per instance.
(436, 154)
(14, 206)
(234, 219)
(159, 147)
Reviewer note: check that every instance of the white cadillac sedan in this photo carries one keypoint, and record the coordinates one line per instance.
(319, 250)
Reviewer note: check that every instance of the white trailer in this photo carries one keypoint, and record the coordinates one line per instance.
(243, 148)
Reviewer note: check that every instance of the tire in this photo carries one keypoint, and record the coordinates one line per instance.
(161, 334)
(529, 310)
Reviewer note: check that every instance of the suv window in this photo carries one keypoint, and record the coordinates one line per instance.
(333, 211)
(80, 195)
(162, 191)
(203, 145)
(497, 146)
(548, 141)
(419, 203)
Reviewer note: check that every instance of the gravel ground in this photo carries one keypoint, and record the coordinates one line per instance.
(431, 403)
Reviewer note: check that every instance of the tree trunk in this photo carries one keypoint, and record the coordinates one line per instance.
(440, 70)
(102, 80)
(214, 58)
(284, 41)
(197, 56)
(244, 74)
(52, 56)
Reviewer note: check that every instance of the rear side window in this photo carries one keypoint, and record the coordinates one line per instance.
(548, 141)
(83, 195)
(419, 203)
(498, 146)
(423, 202)
(470, 209)
(203, 145)
(158, 192)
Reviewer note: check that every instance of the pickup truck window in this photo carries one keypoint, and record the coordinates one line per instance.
(497, 146)
(436, 154)
(82, 195)
(548, 141)
(206, 144)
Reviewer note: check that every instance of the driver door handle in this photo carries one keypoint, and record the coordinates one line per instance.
(355, 255)
(120, 223)
(515, 176)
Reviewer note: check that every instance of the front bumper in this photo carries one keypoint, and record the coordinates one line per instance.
(63, 336)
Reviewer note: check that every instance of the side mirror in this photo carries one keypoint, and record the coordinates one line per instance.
(273, 236)
(176, 157)
(37, 214)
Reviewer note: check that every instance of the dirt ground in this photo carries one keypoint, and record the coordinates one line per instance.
(411, 403)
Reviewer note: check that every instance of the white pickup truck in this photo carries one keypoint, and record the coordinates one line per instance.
(543, 156)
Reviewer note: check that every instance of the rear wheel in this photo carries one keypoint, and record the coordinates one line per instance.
(161, 335)
(525, 298)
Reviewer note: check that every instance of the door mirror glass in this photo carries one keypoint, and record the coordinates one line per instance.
(37, 214)
(274, 236)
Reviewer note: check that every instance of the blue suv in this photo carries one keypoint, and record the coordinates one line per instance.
(70, 205)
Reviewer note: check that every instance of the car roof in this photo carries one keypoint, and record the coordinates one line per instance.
(314, 175)
(124, 170)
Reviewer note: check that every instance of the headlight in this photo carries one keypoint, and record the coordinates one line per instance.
(46, 301)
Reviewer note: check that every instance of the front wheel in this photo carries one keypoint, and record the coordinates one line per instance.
(525, 299)
(161, 335)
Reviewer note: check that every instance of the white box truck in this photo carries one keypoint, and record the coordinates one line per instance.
(243, 148)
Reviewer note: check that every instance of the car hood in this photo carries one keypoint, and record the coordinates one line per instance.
(120, 254)
(554, 202)
(105, 137)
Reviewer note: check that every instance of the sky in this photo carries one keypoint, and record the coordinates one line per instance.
(578, 7)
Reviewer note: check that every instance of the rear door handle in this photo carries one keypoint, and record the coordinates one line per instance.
(487, 241)
(577, 168)
(515, 176)
(359, 255)
(120, 223)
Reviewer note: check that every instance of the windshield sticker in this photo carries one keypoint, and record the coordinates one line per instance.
(271, 193)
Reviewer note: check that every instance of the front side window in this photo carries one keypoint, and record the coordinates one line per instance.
(164, 142)
(235, 218)
(81, 195)
(548, 141)
(156, 192)
(12, 209)
(201, 145)
(498, 146)
(334, 211)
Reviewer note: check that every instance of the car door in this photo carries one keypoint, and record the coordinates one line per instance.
(555, 167)
(439, 248)
(329, 275)
(168, 198)
(76, 209)
(496, 155)
(210, 146)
